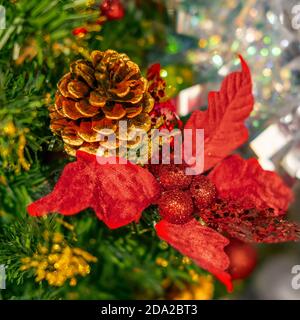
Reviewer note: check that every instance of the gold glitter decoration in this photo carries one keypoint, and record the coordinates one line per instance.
(56, 262)
(90, 3)
(162, 262)
(3, 180)
(186, 260)
(21, 147)
(67, 225)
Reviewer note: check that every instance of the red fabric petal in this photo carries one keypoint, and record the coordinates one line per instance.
(122, 192)
(71, 194)
(245, 182)
(249, 225)
(202, 244)
(223, 121)
(117, 192)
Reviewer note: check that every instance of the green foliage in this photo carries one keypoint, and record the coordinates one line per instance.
(19, 239)
(44, 21)
(22, 105)
(127, 258)
(137, 33)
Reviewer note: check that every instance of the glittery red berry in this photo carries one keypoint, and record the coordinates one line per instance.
(176, 206)
(203, 191)
(174, 177)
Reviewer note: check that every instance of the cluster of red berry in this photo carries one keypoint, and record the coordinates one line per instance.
(183, 195)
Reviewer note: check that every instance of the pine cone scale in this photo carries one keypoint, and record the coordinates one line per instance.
(78, 89)
(69, 109)
(86, 109)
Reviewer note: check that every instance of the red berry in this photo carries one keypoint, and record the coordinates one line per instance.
(112, 9)
(174, 177)
(243, 258)
(176, 206)
(79, 31)
(203, 191)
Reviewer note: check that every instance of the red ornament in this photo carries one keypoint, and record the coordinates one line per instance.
(112, 9)
(79, 32)
(174, 177)
(243, 258)
(176, 206)
(203, 191)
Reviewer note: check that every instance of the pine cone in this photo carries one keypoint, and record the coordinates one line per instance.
(94, 96)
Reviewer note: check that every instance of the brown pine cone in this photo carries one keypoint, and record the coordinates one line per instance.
(94, 96)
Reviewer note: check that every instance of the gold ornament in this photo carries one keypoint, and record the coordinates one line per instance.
(56, 262)
(95, 96)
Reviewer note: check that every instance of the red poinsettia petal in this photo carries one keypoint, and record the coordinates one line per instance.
(71, 194)
(251, 186)
(117, 192)
(202, 244)
(122, 192)
(223, 121)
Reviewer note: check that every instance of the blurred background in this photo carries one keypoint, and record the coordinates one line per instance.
(196, 42)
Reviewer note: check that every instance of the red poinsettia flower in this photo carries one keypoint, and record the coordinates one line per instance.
(236, 199)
